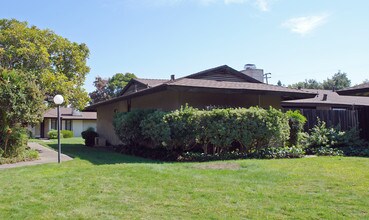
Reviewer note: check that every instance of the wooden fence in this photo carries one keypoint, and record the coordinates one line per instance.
(364, 122)
(344, 119)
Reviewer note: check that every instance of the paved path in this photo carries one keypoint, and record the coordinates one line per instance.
(47, 155)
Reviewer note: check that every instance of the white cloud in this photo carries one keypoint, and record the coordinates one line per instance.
(263, 5)
(306, 24)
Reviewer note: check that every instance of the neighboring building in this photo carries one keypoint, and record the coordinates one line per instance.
(220, 86)
(359, 90)
(72, 120)
(327, 100)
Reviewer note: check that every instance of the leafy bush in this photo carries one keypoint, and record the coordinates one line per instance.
(332, 141)
(25, 155)
(215, 131)
(278, 152)
(67, 133)
(184, 128)
(155, 130)
(53, 134)
(127, 126)
(17, 138)
(89, 135)
(296, 123)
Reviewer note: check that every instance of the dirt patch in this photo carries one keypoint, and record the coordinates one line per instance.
(218, 166)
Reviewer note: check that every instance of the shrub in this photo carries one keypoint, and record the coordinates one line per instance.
(17, 142)
(155, 130)
(278, 152)
(67, 133)
(332, 141)
(188, 129)
(53, 134)
(296, 123)
(127, 126)
(184, 127)
(25, 155)
(89, 135)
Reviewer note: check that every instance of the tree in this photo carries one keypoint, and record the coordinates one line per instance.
(21, 103)
(337, 82)
(307, 84)
(111, 87)
(56, 64)
(279, 83)
(118, 82)
(101, 93)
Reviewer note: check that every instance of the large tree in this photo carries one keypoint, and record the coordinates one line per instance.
(111, 87)
(338, 81)
(307, 84)
(57, 65)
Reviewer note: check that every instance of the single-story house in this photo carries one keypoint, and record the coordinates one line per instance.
(72, 120)
(220, 86)
(327, 100)
(359, 90)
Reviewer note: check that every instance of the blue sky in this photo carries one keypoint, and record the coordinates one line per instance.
(293, 40)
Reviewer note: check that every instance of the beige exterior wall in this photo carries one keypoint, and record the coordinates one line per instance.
(104, 126)
(170, 100)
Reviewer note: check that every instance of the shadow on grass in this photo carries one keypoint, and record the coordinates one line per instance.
(99, 156)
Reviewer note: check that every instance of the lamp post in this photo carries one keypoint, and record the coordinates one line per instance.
(58, 100)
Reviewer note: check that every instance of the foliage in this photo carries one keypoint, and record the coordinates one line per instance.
(25, 155)
(89, 135)
(338, 81)
(296, 123)
(215, 131)
(278, 153)
(117, 82)
(101, 93)
(56, 64)
(307, 84)
(322, 140)
(155, 130)
(21, 102)
(127, 126)
(67, 133)
(53, 134)
(111, 87)
(326, 151)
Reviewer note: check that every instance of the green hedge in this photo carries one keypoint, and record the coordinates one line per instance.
(67, 133)
(53, 134)
(215, 131)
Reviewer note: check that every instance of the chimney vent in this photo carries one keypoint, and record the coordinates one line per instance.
(172, 77)
(325, 96)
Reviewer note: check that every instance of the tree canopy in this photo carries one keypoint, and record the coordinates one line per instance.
(57, 65)
(111, 87)
(338, 81)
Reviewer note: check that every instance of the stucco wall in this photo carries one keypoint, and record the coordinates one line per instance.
(104, 124)
(77, 127)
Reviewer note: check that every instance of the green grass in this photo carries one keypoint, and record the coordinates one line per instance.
(103, 185)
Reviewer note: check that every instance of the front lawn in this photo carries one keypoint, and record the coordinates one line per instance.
(103, 185)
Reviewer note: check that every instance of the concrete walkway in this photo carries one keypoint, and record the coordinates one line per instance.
(46, 155)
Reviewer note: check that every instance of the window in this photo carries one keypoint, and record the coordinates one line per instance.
(54, 124)
(68, 125)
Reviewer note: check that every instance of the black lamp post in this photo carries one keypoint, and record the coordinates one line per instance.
(58, 100)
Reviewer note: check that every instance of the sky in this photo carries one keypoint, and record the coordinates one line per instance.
(292, 40)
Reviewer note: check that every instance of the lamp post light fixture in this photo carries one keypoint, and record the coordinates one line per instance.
(58, 100)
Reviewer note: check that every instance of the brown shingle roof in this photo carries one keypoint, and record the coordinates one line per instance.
(355, 90)
(332, 99)
(201, 83)
(67, 113)
(151, 82)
